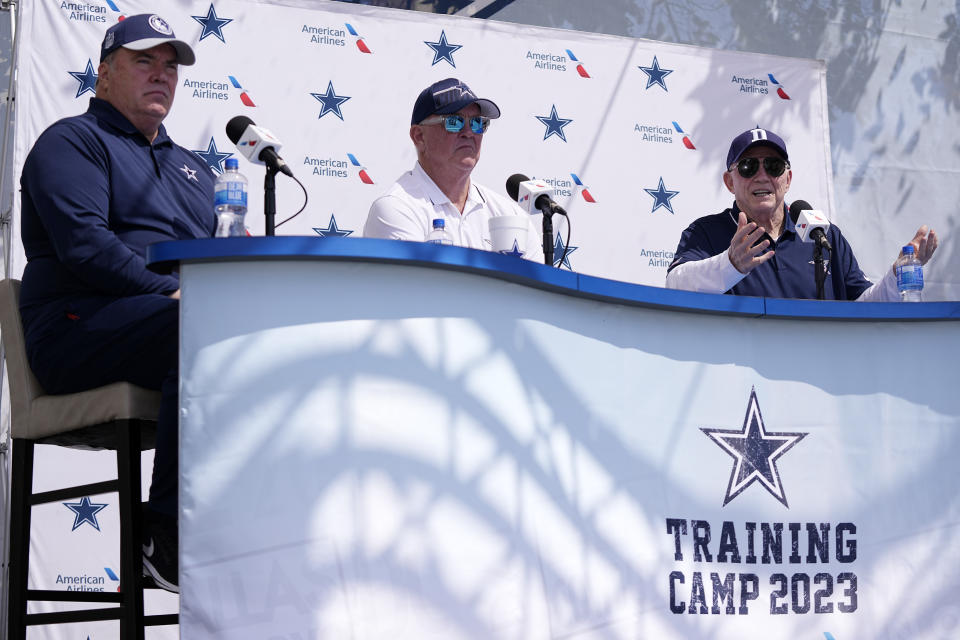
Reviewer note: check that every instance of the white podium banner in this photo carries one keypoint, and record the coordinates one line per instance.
(441, 455)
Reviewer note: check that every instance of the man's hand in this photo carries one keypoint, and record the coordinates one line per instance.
(924, 244)
(742, 252)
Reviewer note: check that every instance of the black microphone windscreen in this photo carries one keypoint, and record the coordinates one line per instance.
(513, 185)
(797, 207)
(236, 127)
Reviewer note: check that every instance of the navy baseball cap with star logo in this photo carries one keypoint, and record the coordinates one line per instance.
(449, 96)
(752, 138)
(144, 31)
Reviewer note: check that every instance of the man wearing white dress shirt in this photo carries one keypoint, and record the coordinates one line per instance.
(447, 128)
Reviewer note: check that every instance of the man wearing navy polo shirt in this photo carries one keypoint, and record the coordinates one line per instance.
(752, 248)
(96, 190)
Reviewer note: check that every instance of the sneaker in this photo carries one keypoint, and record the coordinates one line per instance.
(160, 550)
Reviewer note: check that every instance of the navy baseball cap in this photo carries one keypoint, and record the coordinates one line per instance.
(753, 138)
(449, 96)
(144, 31)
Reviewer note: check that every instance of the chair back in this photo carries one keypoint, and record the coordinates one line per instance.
(24, 387)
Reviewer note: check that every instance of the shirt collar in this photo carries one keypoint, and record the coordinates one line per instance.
(107, 113)
(788, 224)
(438, 197)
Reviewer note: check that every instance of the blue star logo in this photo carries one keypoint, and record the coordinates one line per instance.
(755, 452)
(331, 102)
(554, 124)
(661, 197)
(212, 24)
(86, 512)
(87, 79)
(332, 230)
(212, 156)
(442, 50)
(558, 253)
(515, 251)
(655, 74)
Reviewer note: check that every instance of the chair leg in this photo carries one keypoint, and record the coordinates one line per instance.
(131, 523)
(21, 488)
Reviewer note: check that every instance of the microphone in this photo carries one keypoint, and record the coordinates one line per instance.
(533, 196)
(256, 143)
(811, 224)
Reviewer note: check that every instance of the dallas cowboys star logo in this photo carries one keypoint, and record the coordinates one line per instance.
(332, 230)
(86, 512)
(331, 102)
(558, 253)
(87, 79)
(661, 197)
(554, 124)
(190, 173)
(755, 452)
(655, 74)
(212, 24)
(212, 156)
(442, 50)
(515, 251)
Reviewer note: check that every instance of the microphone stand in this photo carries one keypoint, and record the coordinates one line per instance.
(270, 200)
(547, 235)
(820, 271)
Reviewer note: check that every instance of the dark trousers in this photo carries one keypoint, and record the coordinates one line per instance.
(133, 339)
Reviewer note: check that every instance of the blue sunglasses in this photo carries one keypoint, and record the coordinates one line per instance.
(454, 123)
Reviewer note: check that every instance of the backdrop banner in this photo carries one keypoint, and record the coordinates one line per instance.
(631, 134)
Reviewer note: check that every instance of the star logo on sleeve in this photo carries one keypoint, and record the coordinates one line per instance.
(442, 50)
(212, 156)
(554, 124)
(190, 173)
(331, 102)
(655, 75)
(755, 452)
(87, 79)
(85, 511)
(212, 24)
(332, 230)
(661, 197)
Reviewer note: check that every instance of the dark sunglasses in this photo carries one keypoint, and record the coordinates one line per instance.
(748, 167)
(454, 123)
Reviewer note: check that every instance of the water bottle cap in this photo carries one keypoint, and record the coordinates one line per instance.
(231, 163)
(439, 223)
(907, 250)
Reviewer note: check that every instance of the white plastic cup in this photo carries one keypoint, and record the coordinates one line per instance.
(508, 234)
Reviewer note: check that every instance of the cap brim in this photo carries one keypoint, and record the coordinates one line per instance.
(487, 107)
(185, 54)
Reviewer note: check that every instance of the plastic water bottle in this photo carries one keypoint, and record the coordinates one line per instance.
(230, 200)
(440, 235)
(909, 275)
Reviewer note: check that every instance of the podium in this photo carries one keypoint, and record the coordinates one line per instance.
(398, 440)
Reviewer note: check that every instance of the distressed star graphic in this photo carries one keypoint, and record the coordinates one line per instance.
(331, 102)
(661, 197)
(86, 512)
(87, 79)
(755, 452)
(332, 230)
(442, 50)
(656, 75)
(558, 253)
(212, 24)
(554, 124)
(212, 156)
